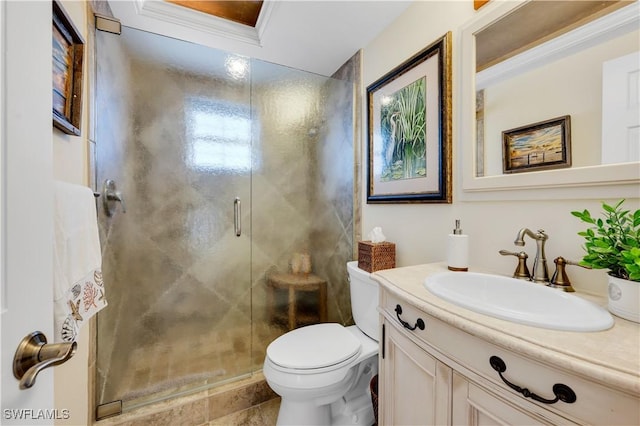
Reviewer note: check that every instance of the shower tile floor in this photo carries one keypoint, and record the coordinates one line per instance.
(247, 401)
(158, 372)
(259, 415)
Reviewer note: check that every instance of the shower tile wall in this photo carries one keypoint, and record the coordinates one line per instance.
(338, 181)
(187, 298)
(302, 187)
(350, 71)
(332, 228)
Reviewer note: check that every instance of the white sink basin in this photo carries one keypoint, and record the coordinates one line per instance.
(519, 301)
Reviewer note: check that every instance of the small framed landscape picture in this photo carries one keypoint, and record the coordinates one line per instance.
(67, 56)
(540, 146)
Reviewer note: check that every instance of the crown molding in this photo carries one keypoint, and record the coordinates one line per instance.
(203, 22)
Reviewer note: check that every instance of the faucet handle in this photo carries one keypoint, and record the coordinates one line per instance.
(521, 272)
(560, 279)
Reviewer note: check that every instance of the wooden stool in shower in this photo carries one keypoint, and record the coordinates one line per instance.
(294, 283)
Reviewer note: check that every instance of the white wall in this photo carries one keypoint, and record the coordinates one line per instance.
(71, 164)
(420, 230)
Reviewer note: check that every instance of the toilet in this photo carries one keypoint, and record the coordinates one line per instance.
(322, 371)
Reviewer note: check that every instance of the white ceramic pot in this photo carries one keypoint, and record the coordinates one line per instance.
(624, 298)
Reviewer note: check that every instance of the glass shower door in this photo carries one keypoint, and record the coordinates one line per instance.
(173, 130)
(302, 198)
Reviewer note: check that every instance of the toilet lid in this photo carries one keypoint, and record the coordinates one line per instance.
(314, 346)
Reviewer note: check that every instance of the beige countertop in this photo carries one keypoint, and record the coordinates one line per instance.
(611, 357)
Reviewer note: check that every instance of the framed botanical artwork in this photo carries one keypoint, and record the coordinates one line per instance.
(67, 56)
(540, 146)
(409, 130)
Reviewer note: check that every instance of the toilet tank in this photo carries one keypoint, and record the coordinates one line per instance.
(364, 300)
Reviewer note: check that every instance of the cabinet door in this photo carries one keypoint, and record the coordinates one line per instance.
(474, 405)
(414, 386)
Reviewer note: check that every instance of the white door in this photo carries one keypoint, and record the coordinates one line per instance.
(621, 109)
(26, 200)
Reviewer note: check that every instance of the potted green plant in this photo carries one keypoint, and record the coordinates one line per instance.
(613, 243)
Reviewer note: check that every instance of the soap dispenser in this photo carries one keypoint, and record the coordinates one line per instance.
(458, 250)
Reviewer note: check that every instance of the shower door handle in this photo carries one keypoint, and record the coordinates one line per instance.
(237, 211)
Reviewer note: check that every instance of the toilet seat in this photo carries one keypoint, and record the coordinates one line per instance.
(313, 349)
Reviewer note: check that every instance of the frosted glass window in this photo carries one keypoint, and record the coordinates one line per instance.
(220, 136)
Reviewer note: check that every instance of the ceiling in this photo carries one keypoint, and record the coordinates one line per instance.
(241, 11)
(311, 35)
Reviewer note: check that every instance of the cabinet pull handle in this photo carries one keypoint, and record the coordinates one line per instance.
(419, 322)
(562, 392)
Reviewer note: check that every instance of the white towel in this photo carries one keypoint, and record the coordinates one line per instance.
(77, 276)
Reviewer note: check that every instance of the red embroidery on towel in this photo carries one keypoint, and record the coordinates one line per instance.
(89, 296)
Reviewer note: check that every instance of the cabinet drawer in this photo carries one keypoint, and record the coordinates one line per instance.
(406, 316)
(470, 355)
(594, 403)
(474, 405)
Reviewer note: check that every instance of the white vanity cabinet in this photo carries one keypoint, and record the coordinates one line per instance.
(475, 405)
(434, 373)
(414, 387)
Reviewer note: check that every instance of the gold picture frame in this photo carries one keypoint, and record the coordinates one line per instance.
(410, 130)
(67, 57)
(541, 146)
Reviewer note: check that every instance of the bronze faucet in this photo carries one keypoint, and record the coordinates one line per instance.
(560, 279)
(521, 272)
(540, 271)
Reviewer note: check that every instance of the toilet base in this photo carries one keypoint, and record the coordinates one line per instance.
(358, 413)
(354, 408)
(303, 413)
(296, 413)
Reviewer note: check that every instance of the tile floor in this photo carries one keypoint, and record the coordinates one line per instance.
(248, 401)
(158, 371)
(259, 415)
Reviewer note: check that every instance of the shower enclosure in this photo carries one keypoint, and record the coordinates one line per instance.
(226, 167)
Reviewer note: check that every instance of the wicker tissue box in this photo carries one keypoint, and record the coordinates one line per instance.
(376, 256)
